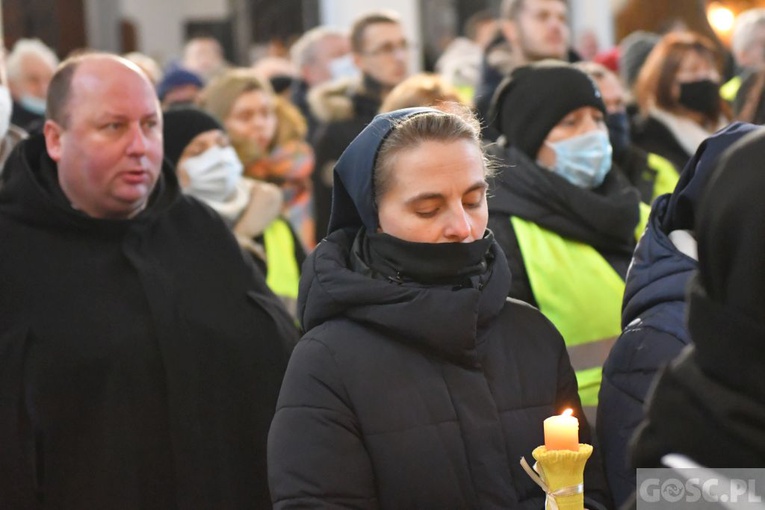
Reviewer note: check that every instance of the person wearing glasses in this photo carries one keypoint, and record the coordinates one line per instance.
(343, 107)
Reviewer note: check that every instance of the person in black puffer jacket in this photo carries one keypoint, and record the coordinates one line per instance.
(708, 405)
(654, 310)
(418, 383)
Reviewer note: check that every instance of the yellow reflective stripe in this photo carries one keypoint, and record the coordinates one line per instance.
(590, 355)
(283, 273)
(666, 175)
(729, 90)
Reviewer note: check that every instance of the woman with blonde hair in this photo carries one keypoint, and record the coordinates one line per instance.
(678, 93)
(422, 89)
(268, 134)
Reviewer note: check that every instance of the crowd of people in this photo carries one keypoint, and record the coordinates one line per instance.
(322, 281)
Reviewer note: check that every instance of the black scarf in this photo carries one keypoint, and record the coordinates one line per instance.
(386, 257)
(605, 217)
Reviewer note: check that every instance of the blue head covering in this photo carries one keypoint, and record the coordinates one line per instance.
(353, 203)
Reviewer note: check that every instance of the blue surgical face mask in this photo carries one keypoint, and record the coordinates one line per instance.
(33, 104)
(583, 160)
(618, 131)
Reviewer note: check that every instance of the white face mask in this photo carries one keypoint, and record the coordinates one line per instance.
(6, 105)
(214, 174)
(343, 67)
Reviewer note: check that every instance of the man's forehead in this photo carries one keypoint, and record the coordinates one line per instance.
(546, 5)
(92, 81)
(383, 32)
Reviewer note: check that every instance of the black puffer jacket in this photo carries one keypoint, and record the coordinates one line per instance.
(410, 396)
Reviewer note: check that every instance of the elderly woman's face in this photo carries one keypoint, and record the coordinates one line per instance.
(437, 194)
(578, 122)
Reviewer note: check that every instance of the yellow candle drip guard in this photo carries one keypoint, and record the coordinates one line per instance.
(560, 474)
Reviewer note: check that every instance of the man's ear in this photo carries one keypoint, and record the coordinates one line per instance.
(358, 60)
(53, 133)
(509, 30)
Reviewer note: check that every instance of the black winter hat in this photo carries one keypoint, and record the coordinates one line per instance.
(534, 98)
(181, 126)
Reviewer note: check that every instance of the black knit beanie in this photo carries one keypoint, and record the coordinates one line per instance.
(534, 98)
(181, 126)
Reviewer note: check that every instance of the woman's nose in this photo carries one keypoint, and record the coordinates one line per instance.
(459, 227)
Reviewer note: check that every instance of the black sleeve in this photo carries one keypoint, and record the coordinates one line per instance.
(261, 294)
(520, 287)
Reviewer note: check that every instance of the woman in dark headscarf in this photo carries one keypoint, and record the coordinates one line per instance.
(418, 384)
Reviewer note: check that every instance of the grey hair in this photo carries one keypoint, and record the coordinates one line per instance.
(745, 29)
(304, 51)
(448, 123)
(24, 48)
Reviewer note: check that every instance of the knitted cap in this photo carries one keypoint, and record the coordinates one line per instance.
(177, 77)
(534, 98)
(633, 51)
(183, 125)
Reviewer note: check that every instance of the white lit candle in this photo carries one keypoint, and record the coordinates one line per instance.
(562, 432)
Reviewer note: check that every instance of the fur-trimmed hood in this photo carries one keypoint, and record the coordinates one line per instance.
(341, 100)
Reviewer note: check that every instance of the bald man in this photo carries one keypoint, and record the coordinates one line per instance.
(140, 356)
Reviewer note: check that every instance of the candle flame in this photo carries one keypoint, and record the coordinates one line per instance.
(567, 412)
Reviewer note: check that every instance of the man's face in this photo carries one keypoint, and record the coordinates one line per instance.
(109, 155)
(33, 79)
(612, 92)
(540, 31)
(203, 56)
(327, 49)
(385, 54)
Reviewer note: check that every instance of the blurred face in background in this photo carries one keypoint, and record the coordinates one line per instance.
(33, 79)
(251, 124)
(612, 93)
(385, 54)
(578, 122)
(540, 31)
(327, 51)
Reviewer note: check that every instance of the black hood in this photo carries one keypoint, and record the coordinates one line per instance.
(31, 193)
(727, 302)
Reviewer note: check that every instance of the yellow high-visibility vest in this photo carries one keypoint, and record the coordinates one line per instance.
(283, 273)
(580, 293)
